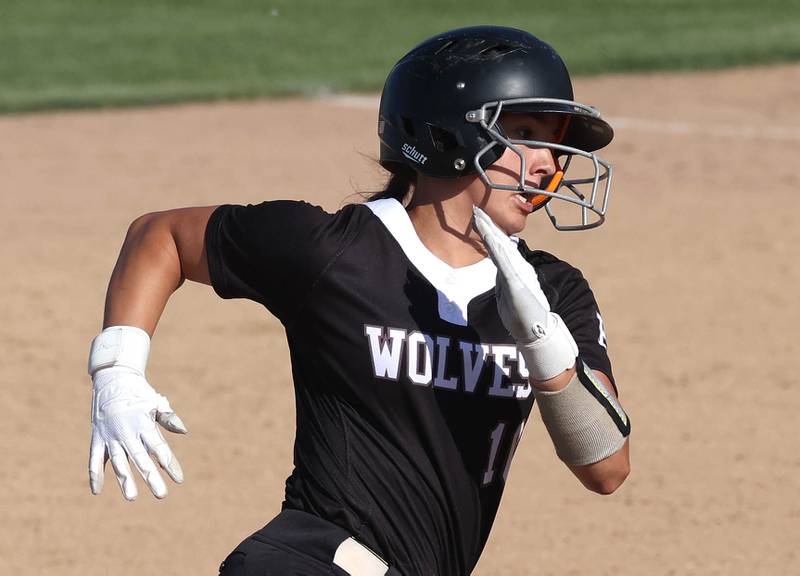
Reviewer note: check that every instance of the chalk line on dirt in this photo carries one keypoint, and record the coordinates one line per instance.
(672, 127)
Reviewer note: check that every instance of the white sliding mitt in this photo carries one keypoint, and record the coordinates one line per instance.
(542, 337)
(125, 409)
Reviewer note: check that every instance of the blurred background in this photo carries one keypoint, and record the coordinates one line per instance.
(112, 109)
(89, 53)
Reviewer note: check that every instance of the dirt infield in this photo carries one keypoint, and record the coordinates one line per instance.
(693, 270)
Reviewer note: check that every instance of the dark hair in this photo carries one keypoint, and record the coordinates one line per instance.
(400, 186)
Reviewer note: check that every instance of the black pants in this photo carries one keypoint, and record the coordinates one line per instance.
(294, 543)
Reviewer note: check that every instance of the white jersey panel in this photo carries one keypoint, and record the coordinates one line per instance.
(455, 286)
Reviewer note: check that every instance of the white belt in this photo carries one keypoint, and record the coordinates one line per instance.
(358, 560)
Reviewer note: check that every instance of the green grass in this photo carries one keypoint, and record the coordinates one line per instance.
(85, 53)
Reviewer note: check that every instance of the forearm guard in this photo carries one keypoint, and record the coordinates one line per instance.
(585, 421)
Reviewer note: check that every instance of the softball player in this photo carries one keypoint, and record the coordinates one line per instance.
(421, 330)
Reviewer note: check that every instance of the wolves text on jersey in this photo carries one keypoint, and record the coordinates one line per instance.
(424, 359)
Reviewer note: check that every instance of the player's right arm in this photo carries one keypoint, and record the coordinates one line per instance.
(161, 250)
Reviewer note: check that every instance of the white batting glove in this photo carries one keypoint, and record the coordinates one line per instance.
(125, 409)
(542, 337)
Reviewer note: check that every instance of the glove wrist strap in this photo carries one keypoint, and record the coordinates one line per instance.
(125, 346)
(550, 355)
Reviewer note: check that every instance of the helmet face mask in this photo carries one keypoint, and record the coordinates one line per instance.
(441, 104)
(590, 191)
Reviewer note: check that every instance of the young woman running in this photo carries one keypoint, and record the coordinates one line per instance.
(421, 329)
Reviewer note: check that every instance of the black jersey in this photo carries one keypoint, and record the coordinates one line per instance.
(411, 395)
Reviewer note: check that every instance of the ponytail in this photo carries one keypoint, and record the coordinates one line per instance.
(400, 186)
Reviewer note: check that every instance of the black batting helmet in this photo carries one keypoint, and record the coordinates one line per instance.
(441, 101)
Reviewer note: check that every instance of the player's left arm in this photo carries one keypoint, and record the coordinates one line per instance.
(607, 474)
(578, 405)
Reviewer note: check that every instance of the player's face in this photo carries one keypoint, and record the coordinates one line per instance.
(507, 208)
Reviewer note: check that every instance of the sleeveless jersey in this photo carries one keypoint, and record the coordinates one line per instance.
(411, 396)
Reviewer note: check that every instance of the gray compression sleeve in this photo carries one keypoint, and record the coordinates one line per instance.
(584, 420)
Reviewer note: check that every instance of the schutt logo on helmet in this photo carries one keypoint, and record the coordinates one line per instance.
(413, 154)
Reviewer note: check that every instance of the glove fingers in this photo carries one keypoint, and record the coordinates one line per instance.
(508, 306)
(504, 265)
(501, 249)
(119, 461)
(520, 301)
(162, 404)
(489, 230)
(97, 462)
(485, 227)
(508, 284)
(485, 224)
(155, 444)
(171, 422)
(144, 464)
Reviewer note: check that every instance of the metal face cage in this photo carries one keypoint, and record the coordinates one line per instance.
(590, 192)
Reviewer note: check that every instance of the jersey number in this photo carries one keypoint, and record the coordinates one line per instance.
(495, 437)
(601, 327)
